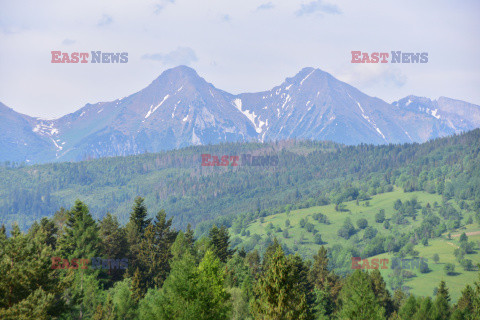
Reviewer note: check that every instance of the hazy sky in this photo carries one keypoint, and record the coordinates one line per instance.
(238, 46)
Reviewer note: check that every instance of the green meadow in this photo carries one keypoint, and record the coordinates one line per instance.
(302, 242)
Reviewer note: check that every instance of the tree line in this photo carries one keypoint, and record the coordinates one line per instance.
(173, 275)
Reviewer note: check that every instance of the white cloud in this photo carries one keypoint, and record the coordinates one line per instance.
(252, 52)
(68, 42)
(161, 4)
(368, 74)
(179, 56)
(266, 6)
(105, 20)
(317, 6)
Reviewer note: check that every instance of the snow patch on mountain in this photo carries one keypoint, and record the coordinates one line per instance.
(308, 75)
(45, 129)
(434, 113)
(370, 121)
(149, 113)
(250, 115)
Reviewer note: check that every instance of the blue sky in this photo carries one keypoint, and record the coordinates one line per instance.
(239, 46)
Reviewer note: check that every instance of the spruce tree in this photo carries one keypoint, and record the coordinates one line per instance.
(425, 311)
(442, 306)
(113, 244)
(465, 303)
(138, 216)
(380, 290)
(80, 240)
(326, 283)
(409, 308)
(278, 295)
(213, 298)
(220, 241)
(134, 231)
(154, 253)
(358, 298)
(28, 284)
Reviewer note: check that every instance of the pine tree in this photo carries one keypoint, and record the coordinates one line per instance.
(165, 236)
(134, 231)
(80, 241)
(380, 290)
(465, 303)
(270, 252)
(138, 288)
(113, 244)
(326, 283)
(442, 306)
(28, 284)
(121, 302)
(278, 295)
(398, 299)
(3, 231)
(358, 298)
(138, 216)
(46, 232)
(181, 246)
(189, 235)
(179, 291)
(220, 240)
(425, 311)
(189, 292)
(154, 253)
(214, 300)
(105, 311)
(302, 270)
(409, 308)
(252, 260)
(476, 300)
(60, 219)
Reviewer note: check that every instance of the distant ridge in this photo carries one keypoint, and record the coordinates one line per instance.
(180, 108)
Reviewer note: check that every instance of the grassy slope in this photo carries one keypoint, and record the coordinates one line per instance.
(423, 284)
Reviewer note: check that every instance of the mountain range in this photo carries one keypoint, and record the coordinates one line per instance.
(180, 109)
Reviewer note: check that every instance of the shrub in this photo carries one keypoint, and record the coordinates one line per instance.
(309, 227)
(362, 223)
(318, 238)
(449, 269)
(380, 216)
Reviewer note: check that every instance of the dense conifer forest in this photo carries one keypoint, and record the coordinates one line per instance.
(244, 242)
(52, 271)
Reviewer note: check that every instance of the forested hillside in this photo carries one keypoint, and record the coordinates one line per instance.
(308, 173)
(276, 241)
(73, 267)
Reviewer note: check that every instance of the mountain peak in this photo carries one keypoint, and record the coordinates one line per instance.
(179, 108)
(306, 73)
(181, 70)
(179, 75)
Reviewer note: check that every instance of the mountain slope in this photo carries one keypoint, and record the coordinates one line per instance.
(177, 109)
(315, 105)
(307, 172)
(426, 118)
(20, 141)
(180, 109)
